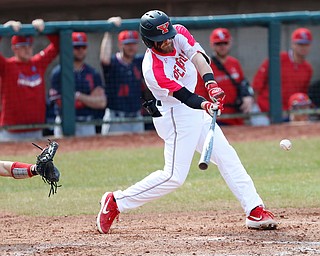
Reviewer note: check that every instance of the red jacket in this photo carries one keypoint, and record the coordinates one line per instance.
(234, 68)
(294, 78)
(23, 87)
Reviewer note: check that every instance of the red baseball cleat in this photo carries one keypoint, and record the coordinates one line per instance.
(108, 212)
(260, 218)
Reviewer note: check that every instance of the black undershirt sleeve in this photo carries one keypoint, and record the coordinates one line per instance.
(192, 100)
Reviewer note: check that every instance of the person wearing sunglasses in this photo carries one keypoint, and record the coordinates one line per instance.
(89, 91)
(170, 67)
(229, 75)
(124, 81)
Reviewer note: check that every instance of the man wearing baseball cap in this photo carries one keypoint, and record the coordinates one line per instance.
(89, 97)
(128, 37)
(124, 82)
(296, 72)
(229, 75)
(17, 41)
(22, 76)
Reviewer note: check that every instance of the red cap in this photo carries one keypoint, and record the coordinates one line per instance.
(128, 37)
(21, 40)
(299, 100)
(79, 39)
(220, 35)
(301, 36)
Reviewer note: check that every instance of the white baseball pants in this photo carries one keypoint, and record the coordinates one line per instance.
(184, 130)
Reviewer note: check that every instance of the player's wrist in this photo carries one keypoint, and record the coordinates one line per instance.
(209, 81)
(33, 170)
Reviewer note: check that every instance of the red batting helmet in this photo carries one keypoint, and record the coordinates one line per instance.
(220, 35)
(299, 100)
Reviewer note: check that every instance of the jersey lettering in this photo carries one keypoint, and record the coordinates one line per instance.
(179, 68)
(123, 90)
(89, 79)
(30, 81)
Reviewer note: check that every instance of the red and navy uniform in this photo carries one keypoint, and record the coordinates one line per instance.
(23, 87)
(124, 84)
(86, 80)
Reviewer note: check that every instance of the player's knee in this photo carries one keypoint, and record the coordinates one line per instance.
(178, 180)
(175, 177)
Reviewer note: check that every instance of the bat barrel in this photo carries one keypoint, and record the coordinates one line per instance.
(206, 152)
(207, 146)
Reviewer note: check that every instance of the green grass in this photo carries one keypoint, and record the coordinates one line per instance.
(283, 179)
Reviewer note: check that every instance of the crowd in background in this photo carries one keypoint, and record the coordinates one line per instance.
(119, 91)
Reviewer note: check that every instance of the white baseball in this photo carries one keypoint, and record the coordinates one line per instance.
(285, 144)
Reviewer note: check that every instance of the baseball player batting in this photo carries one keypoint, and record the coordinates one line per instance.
(170, 68)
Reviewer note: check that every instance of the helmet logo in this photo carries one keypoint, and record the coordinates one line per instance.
(221, 35)
(164, 27)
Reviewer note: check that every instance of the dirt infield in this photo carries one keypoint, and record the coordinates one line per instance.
(190, 233)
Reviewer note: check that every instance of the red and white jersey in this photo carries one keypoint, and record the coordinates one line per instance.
(165, 73)
(23, 87)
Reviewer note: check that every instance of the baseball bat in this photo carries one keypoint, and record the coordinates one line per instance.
(208, 145)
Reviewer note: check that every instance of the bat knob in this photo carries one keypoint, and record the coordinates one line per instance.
(203, 166)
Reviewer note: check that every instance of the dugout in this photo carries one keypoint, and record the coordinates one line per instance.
(256, 36)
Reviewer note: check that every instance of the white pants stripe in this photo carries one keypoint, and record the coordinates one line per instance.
(184, 130)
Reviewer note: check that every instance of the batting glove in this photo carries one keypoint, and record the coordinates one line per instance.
(210, 107)
(214, 91)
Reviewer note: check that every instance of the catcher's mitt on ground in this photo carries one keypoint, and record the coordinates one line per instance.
(45, 168)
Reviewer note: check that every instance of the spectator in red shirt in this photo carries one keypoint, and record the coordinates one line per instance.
(229, 75)
(23, 85)
(296, 72)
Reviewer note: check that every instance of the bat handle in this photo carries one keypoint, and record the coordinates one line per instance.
(203, 166)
